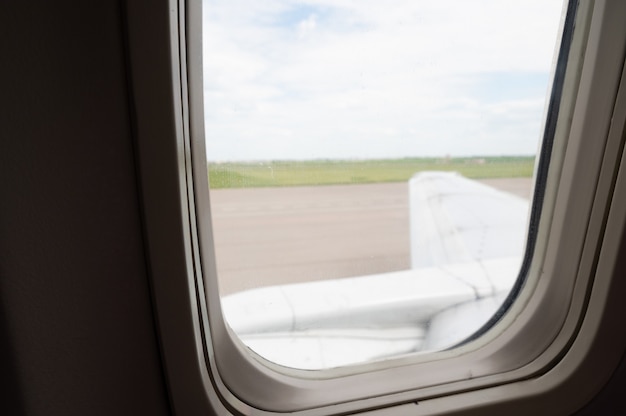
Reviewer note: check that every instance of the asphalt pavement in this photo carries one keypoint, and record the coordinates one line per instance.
(268, 236)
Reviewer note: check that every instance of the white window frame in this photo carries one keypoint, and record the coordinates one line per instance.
(570, 289)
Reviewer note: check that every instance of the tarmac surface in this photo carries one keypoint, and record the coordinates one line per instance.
(268, 236)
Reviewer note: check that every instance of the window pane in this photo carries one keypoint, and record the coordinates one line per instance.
(370, 166)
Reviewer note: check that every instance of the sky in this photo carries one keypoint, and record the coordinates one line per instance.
(371, 79)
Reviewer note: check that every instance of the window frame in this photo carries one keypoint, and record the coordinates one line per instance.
(208, 370)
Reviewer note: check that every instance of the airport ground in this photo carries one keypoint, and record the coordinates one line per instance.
(268, 236)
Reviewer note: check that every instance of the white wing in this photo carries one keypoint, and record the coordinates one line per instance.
(450, 292)
(455, 219)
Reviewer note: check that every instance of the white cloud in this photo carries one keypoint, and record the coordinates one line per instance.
(307, 25)
(365, 78)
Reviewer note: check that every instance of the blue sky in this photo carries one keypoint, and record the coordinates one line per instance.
(291, 17)
(369, 79)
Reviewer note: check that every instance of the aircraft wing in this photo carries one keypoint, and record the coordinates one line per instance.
(450, 292)
(455, 219)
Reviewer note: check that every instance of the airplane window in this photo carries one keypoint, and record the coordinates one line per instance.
(371, 166)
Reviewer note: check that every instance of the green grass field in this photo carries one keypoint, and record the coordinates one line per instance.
(329, 172)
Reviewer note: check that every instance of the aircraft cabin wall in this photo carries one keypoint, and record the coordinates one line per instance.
(76, 319)
(77, 324)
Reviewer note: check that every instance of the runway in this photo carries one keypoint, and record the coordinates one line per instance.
(268, 236)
